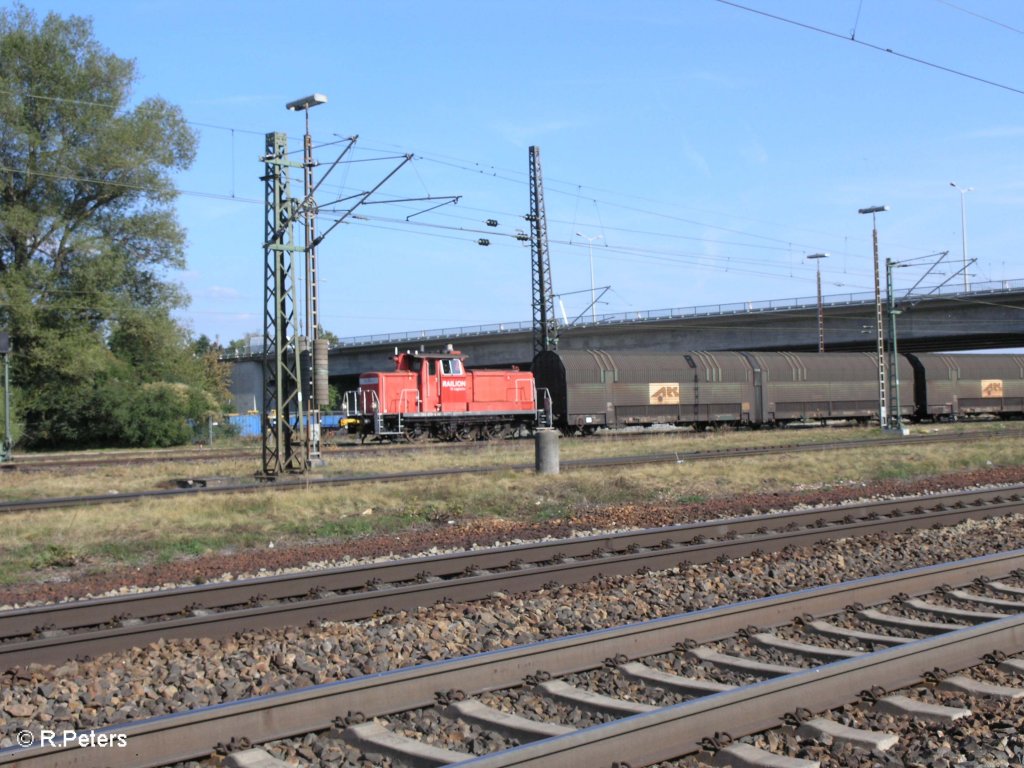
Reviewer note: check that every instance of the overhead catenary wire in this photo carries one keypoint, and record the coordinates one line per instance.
(731, 263)
(514, 176)
(882, 49)
(996, 22)
(723, 262)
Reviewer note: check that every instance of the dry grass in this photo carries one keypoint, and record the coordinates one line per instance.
(161, 529)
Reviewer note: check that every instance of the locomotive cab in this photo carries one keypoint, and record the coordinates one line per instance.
(441, 379)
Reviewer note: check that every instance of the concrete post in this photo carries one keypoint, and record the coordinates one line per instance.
(546, 451)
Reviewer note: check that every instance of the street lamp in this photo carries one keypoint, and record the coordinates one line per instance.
(879, 340)
(821, 310)
(963, 226)
(312, 292)
(593, 290)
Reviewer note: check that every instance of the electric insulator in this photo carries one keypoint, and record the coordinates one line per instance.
(483, 241)
(491, 222)
(522, 237)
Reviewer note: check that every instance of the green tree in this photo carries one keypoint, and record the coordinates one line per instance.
(88, 235)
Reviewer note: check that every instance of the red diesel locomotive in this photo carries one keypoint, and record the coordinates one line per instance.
(431, 394)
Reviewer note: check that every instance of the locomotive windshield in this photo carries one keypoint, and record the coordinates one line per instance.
(451, 367)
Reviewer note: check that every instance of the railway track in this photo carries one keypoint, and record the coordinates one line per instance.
(55, 633)
(632, 695)
(187, 486)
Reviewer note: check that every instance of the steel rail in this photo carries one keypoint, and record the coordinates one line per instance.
(674, 731)
(306, 482)
(188, 735)
(459, 576)
(95, 611)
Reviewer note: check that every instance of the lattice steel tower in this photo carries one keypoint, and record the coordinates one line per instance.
(282, 391)
(545, 326)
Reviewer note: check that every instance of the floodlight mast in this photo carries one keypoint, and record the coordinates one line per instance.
(593, 295)
(821, 308)
(288, 387)
(310, 349)
(306, 102)
(883, 420)
(963, 226)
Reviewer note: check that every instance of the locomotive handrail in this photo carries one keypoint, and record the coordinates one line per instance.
(546, 415)
(357, 408)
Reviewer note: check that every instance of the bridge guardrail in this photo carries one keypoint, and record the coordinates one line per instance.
(733, 308)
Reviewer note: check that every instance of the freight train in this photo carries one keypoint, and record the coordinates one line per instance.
(581, 392)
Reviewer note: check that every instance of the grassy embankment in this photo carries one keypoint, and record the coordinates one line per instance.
(157, 530)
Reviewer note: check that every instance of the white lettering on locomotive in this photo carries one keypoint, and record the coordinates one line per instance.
(453, 383)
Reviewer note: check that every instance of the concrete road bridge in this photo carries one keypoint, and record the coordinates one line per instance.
(988, 316)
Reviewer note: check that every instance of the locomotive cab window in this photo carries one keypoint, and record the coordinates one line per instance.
(451, 367)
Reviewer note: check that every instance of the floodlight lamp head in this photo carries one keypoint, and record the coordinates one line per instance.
(874, 209)
(818, 256)
(306, 102)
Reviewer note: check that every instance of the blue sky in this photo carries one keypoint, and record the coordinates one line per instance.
(711, 148)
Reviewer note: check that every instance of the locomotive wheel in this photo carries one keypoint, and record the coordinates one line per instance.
(493, 431)
(459, 433)
(414, 434)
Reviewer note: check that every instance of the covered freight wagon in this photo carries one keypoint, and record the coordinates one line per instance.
(954, 386)
(810, 386)
(594, 388)
(591, 389)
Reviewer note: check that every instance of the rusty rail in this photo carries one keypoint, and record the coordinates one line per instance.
(637, 740)
(46, 634)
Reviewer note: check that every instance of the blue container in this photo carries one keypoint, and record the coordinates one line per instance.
(248, 424)
(330, 420)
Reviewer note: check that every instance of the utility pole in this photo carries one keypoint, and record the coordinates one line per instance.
(545, 328)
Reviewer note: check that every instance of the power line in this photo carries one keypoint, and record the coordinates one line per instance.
(135, 187)
(457, 163)
(853, 39)
(979, 16)
(108, 105)
(731, 263)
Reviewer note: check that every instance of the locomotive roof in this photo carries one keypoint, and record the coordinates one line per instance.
(442, 355)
